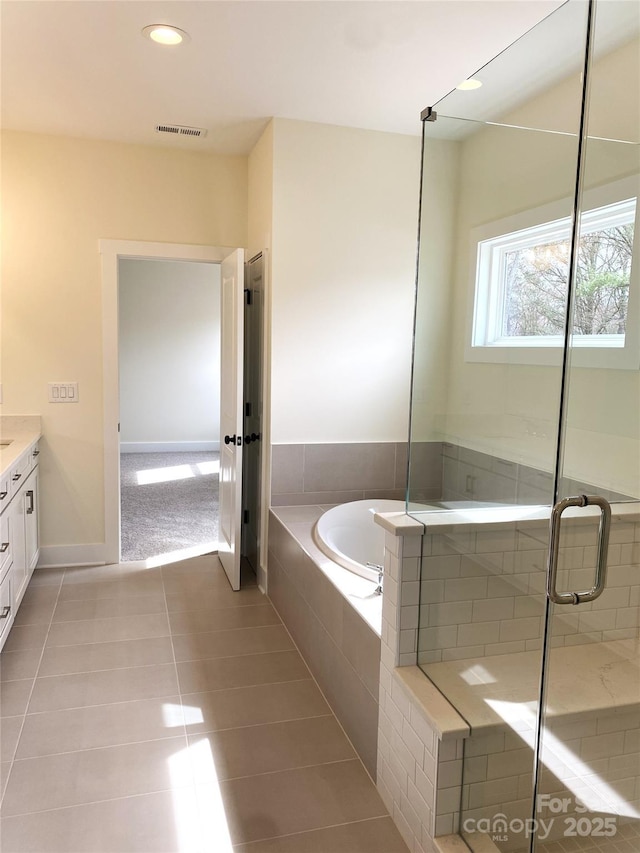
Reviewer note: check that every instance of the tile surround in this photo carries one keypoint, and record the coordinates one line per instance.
(340, 648)
(305, 474)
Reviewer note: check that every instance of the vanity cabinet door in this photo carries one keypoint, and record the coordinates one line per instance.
(5, 491)
(31, 539)
(7, 609)
(17, 521)
(5, 543)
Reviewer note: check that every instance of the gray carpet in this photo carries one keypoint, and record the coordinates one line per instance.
(169, 514)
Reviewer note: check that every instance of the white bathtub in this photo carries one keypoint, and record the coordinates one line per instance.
(348, 535)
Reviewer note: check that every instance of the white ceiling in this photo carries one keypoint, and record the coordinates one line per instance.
(81, 67)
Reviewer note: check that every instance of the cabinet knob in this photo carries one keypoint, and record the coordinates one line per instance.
(36, 453)
(16, 477)
(3, 495)
(4, 547)
(6, 610)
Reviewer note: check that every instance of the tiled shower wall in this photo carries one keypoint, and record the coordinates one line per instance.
(471, 475)
(483, 593)
(419, 741)
(602, 750)
(498, 761)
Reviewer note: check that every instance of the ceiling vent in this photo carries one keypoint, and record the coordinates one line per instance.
(179, 130)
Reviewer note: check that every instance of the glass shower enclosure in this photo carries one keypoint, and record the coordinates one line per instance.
(524, 463)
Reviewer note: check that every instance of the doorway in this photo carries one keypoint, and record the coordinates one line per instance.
(169, 378)
(230, 262)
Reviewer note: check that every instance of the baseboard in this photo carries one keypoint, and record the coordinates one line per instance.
(167, 446)
(65, 556)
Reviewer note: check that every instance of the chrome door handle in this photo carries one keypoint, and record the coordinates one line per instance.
(603, 548)
(29, 496)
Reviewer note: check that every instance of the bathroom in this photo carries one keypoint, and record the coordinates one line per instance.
(374, 181)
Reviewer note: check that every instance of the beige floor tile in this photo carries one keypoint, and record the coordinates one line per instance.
(236, 642)
(196, 583)
(92, 775)
(62, 660)
(275, 804)
(9, 734)
(104, 608)
(120, 588)
(378, 835)
(96, 726)
(26, 637)
(79, 690)
(204, 563)
(107, 630)
(22, 664)
(221, 673)
(253, 705)
(46, 577)
(166, 822)
(34, 614)
(14, 696)
(248, 751)
(188, 600)
(198, 621)
(5, 768)
(40, 594)
(113, 572)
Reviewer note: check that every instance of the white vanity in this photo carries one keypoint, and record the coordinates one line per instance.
(19, 540)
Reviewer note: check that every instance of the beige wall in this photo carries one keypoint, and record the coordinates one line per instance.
(59, 197)
(343, 271)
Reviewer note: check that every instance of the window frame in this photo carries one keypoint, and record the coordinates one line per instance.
(489, 244)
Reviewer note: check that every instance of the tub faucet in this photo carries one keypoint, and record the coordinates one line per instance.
(380, 569)
(378, 589)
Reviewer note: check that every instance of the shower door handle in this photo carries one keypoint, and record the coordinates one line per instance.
(601, 559)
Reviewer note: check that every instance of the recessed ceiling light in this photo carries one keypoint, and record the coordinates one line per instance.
(165, 34)
(469, 84)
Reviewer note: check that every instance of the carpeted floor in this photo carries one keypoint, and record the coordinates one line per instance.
(169, 503)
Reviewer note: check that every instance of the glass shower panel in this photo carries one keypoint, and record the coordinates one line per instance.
(498, 195)
(589, 767)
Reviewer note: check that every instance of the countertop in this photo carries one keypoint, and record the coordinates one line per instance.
(22, 431)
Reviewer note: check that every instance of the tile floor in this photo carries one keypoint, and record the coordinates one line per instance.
(156, 710)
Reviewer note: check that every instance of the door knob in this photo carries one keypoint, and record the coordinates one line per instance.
(233, 439)
(253, 437)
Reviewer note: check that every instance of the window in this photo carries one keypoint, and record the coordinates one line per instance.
(521, 287)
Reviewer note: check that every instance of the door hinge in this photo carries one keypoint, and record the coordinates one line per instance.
(248, 296)
(245, 516)
(118, 427)
(247, 410)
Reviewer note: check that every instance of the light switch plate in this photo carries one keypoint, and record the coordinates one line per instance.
(63, 392)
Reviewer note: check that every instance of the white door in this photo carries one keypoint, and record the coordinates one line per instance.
(231, 345)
